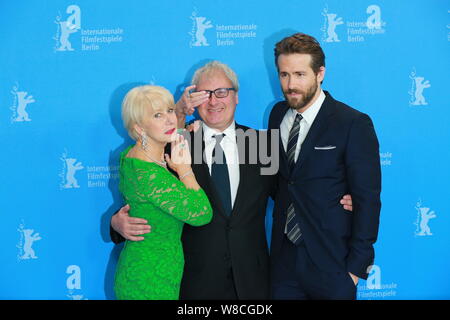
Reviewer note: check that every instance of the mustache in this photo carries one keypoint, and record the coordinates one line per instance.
(290, 91)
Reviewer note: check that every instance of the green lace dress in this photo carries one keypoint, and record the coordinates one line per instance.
(152, 268)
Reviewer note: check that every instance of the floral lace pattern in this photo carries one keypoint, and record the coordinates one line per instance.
(152, 268)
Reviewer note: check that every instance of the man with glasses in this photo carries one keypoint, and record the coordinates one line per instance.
(227, 258)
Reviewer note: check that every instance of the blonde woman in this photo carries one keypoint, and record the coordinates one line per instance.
(152, 269)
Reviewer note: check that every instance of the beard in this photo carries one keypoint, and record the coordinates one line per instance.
(299, 103)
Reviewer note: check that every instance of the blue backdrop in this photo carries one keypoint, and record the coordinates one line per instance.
(65, 67)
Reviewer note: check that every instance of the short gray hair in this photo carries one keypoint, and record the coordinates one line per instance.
(214, 66)
(138, 100)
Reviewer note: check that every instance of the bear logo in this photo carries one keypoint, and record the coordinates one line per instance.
(72, 167)
(424, 215)
(332, 24)
(30, 238)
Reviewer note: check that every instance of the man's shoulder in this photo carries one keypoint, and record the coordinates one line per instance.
(344, 109)
(277, 113)
(279, 106)
(246, 129)
(242, 127)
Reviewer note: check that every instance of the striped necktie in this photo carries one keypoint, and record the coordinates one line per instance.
(292, 228)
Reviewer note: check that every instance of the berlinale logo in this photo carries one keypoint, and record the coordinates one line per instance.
(424, 215)
(27, 239)
(357, 31)
(331, 22)
(197, 33)
(65, 28)
(73, 283)
(67, 175)
(21, 101)
(416, 92)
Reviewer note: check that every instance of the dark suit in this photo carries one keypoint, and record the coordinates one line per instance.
(228, 258)
(340, 155)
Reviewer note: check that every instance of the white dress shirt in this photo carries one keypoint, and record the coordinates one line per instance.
(230, 151)
(305, 124)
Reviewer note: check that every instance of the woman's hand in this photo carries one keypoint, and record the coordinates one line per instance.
(180, 159)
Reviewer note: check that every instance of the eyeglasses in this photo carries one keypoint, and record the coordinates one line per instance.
(220, 92)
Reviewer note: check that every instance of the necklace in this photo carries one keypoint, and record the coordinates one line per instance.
(161, 163)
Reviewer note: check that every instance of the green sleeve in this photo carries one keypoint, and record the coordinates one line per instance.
(169, 194)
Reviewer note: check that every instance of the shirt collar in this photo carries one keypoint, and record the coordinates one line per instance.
(229, 132)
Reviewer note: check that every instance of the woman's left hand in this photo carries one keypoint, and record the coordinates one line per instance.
(180, 159)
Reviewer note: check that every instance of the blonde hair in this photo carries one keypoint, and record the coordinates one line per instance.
(214, 66)
(138, 100)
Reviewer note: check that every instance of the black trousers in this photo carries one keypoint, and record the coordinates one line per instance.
(296, 277)
(222, 289)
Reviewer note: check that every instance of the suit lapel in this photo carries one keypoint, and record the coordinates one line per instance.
(199, 167)
(243, 177)
(278, 118)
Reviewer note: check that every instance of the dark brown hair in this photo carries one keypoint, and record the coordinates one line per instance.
(301, 43)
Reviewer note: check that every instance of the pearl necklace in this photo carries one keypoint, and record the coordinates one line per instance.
(161, 163)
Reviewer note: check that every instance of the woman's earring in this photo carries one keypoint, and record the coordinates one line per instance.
(144, 141)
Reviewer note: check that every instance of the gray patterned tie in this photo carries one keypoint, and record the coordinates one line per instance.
(292, 228)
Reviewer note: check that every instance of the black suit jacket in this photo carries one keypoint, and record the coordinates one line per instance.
(237, 242)
(340, 155)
